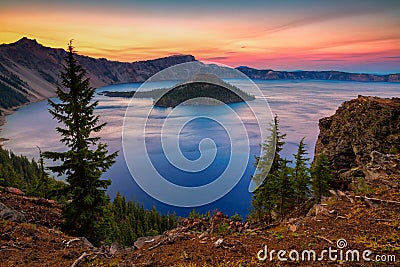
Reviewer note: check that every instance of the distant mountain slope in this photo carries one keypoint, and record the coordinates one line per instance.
(317, 75)
(31, 70)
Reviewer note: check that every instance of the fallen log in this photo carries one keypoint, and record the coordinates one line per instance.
(378, 200)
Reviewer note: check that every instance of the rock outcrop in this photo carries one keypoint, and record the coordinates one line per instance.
(361, 130)
(11, 215)
(382, 165)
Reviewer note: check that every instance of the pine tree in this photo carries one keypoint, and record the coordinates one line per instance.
(40, 186)
(86, 159)
(321, 177)
(284, 188)
(119, 205)
(264, 197)
(301, 174)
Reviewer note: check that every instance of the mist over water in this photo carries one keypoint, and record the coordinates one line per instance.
(299, 105)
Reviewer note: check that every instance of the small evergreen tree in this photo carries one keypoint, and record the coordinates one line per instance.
(321, 177)
(264, 197)
(40, 185)
(86, 158)
(301, 174)
(236, 217)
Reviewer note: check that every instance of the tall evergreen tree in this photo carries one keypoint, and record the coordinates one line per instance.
(264, 199)
(284, 188)
(301, 174)
(321, 177)
(86, 158)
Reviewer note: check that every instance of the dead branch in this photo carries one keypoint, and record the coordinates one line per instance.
(324, 238)
(15, 246)
(84, 255)
(265, 227)
(383, 200)
(12, 245)
(378, 200)
(166, 240)
(382, 220)
(8, 249)
(80, 258)
(156, 245)
(70, 241)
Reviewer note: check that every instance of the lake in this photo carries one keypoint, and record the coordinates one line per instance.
(298, 104)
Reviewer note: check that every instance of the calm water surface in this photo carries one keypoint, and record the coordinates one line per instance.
(299, 105)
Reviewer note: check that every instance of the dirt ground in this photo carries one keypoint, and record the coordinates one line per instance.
(364, 224)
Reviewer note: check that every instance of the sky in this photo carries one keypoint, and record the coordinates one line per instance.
(356, 36)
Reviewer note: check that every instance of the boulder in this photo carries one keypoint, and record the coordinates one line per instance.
(11, 215)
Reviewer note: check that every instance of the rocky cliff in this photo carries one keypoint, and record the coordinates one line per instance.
(363, 135)
(317, 75)
(33, 69)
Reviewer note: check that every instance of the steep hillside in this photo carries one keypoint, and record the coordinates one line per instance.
(31, 70)
(362, 133)
(217, 241)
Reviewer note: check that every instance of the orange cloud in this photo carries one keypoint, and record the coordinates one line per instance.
(286, 40)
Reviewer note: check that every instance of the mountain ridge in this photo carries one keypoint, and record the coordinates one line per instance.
(329, 75)
(36, 69)
(41, 65)
(30, 72)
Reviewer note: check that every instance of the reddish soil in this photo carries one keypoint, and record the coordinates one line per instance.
(365, 225)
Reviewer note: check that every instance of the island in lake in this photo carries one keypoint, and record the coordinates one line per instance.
(203, 89)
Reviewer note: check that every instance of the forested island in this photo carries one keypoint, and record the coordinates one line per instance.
(203, 89)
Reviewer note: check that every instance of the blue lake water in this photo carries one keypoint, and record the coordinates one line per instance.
(299, 105)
